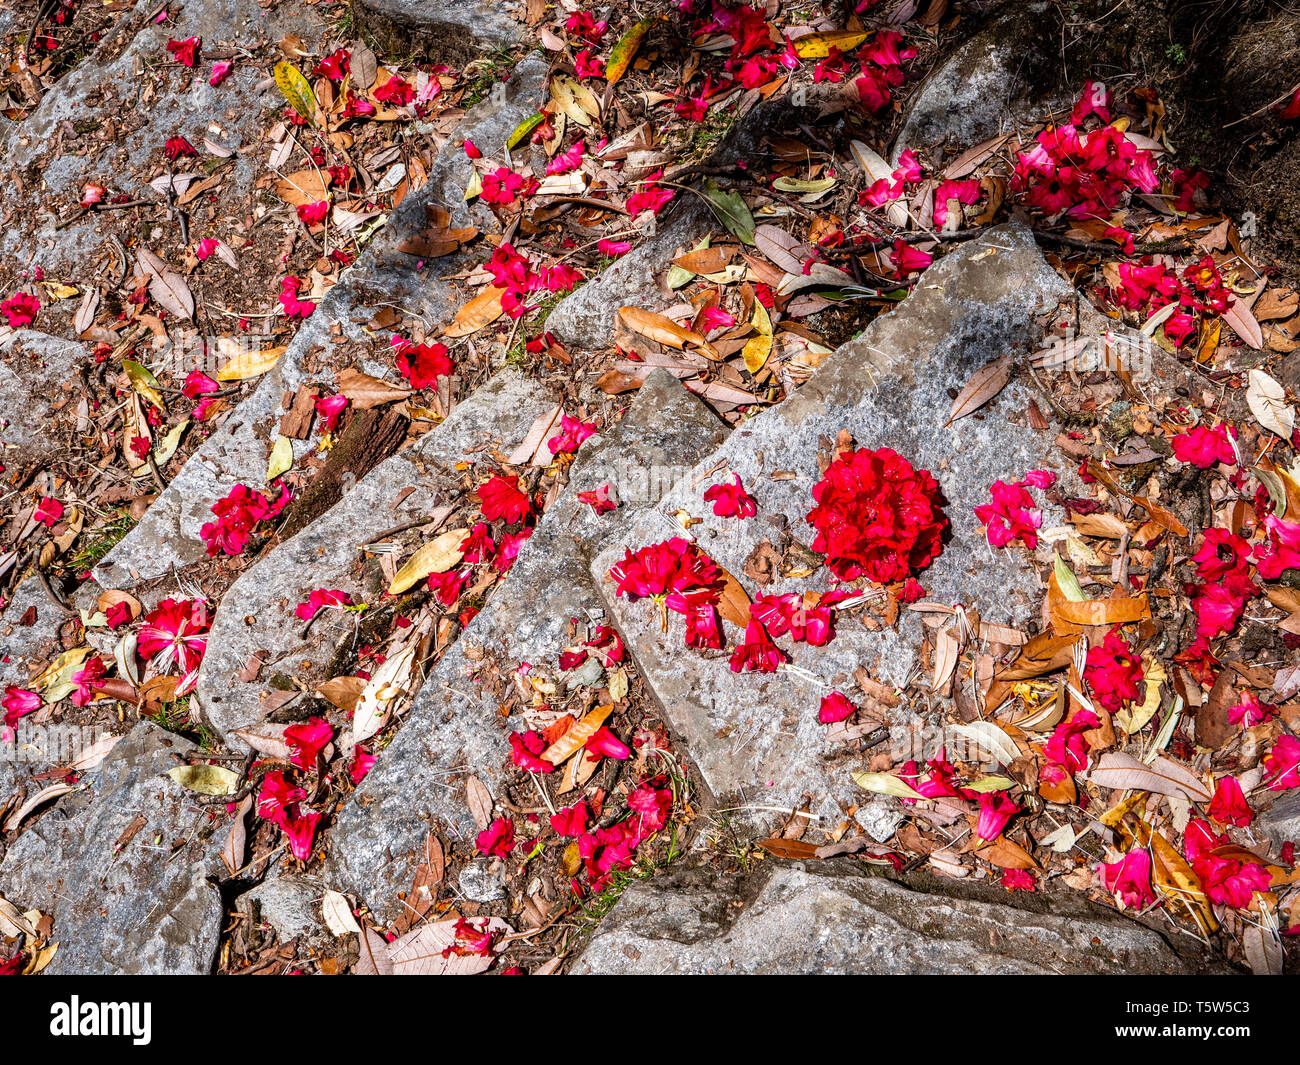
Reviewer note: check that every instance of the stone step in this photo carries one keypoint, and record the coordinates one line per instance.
(37, 146)
(37, 371)
(257, 611)
(756, 737)
(454, 729)
(168, 535)
(446, 31)
(122, 865)
(789, 920)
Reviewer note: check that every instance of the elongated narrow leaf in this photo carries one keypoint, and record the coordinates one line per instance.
(296, 89)
(622, 54)
(984, 384)
(731, 211)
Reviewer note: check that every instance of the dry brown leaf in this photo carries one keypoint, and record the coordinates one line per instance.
(577, 735)
(984, 384)
(665, 331)
(482, 310)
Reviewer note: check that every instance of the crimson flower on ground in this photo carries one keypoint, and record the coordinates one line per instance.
(198, 384)
(573, 431)
(731, 500)
(422, 364)
(757, 653)
(607, 645)
(569, 159)
(313, 214)
(321, 599)
(88, 680)
(501, 186)
(508, 551)
(1067, 748)
(117, 614)
(675, 565)
(18, 703)
(1219, 605)
(177, 147)
(92, 194)
(334, 66)
(1281, 551)
(48, 511)
(876, 516)
(703, 627)
(607, 745)
(1203, 446)
(966, 192)
(20, 309)
(478, 545)
(1222, 552)
(220, 71)
(237, 517)
(395, 91)
(996, 809)
(613, 248)
(600, 499)
(1018, 880)
(362, 762)
(293, 306)
(498, 839)
(184, 52)
(1229, 806)
(835, 707)
(447, 586)
(571, 821)
(585, 65)
(1096, 100)
(525, 748)
(1113, 672)
(907, 259)
(173, 635)
(329, 409)
(650, 196)
(581, 23)
(1012, 515)
(500, 497)
(1129, 879)
(306, 740)
(1249, 711)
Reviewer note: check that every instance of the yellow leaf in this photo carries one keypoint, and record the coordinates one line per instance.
(1133, 719)
(819, 45)
(245, 364)
(483, 309)
(757, 350)
(281, 460)
(437, 556)
(665, 331)
(205, 779)
(296, 89)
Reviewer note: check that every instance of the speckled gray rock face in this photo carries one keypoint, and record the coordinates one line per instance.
(985, 86)
(755, 736)
(585, 320)
(185, 106)
(454, 730)
(36, 372)
(169, 534)
(289, 904)
(790, 921)
(407, 486)
(27, 647)
(1281, 821)
(445, 30)
(124, 906)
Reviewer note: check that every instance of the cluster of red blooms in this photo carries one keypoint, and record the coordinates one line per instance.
(882, 68)
(1012, 514)
(996, 808)
(1148, 288)
(877, 517)
(174, 636)
(514, 273)
(237, 517)
(1083, 175)
(422, 364)
(1113, 672)
(20, 309)
(280, 803)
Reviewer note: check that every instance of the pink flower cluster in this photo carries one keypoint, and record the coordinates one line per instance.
(237, 517)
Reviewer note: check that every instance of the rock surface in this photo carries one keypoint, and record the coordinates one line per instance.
(756, 736)
(449, 31)
(790, 921)
(237, 452)
(454, 729)
(1281, 821)
(408, 486)
(37, 371)
(288, 903)
(122, 866)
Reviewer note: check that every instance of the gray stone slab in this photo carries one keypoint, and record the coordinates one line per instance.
(791, 921)
(450, 31)
(325, 554)
(36, 371)
(454, 729)
(756, 737)
(1281, 821)
(288, 903)
(168, 535)
(25, 647)
(140, 909)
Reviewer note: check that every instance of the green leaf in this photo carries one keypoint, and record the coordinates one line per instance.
(620, 58)
(522, 130)
(143, 382)
(886, 784)
(987, 784)
(296, 89)
(1068, 581)
(731, 211)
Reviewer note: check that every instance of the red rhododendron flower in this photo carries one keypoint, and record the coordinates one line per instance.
(967, 192)
(198, 384)
(20, 309)
(334, 66)
(299, 828)
(277, 796)
(780, 614)
(907, 259)
(703, 627)
(313, 214)
(1281, 552)
(173, 636)
(525, 747)
(237, 516)
(321, 599)
(1222, 552)
(501, 186)
(1249, 711)
(1229, 806)
(581, 23)
(650, 196)
(293, 306)
(18, 703)
(1219, 606)
(448, 586)
(500, 497)
(1067, 748)
(607, 745)
(362, 762)
(731, 500)
(1113, 672)
(118, 614)
(1094, 100)
(306, 740)
(1011, 515)
(996, 809)
(757, 654)
(835, 707)
(176, 147)
(1129, 879)
(422, 364)
(877, 517)
(1018, 880)
(88, 680)
(600, 499)
(613, 248)
(48, 511)
(673, 566)
(573, 820)
(1282, 762)
(572, 433)
(329, 409)
(184, 52)
(585, 65)
(472, 150)
(220, 71)
(567, 160)
(395, 91)
(509, 549)
(478, 545)
(1204, 447)
(498, 839)
(92, 194)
